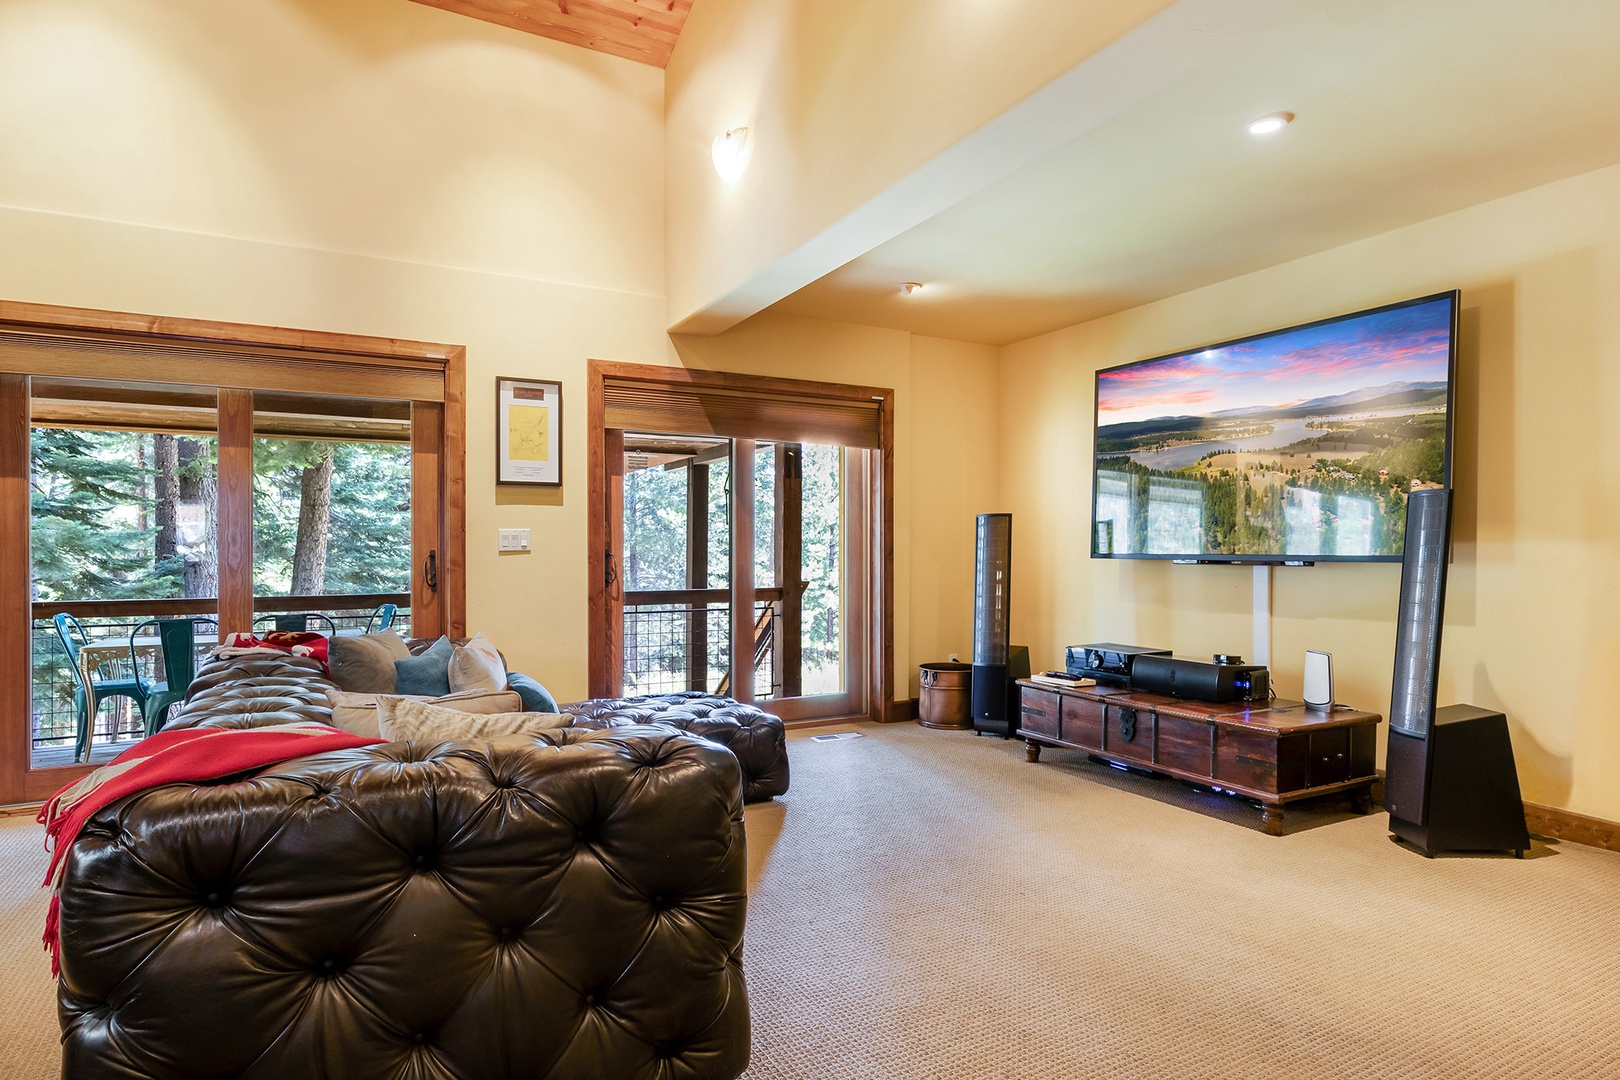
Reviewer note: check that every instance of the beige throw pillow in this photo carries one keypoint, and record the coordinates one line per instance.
(357, 713)
(477, 665)
(401, 719)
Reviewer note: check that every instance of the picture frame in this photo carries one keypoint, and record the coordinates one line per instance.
(528, 432)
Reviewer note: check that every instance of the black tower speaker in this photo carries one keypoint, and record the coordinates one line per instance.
(1450, 783)
(993, 702)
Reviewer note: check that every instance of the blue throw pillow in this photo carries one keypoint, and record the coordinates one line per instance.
(536, 698)
(427, 673)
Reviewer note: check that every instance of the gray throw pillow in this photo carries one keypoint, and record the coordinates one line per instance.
(364, 663)
(427, 674)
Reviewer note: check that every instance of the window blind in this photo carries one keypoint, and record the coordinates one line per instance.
(200, 363)
(692, 409)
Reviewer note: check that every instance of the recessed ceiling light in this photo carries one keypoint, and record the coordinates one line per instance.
(909, 287)
(1271, 123)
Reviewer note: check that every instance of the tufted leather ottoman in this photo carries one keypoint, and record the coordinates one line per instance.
(567, 906)
(755, 736)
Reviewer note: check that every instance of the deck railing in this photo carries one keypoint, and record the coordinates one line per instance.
(680, 639)
(55, 720)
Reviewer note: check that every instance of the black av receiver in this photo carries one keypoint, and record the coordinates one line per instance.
(1229, 679)
(1107, 663)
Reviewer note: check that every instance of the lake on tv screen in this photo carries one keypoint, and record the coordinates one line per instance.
(1304, 443)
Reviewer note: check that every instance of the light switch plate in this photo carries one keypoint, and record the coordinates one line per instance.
(514, 539)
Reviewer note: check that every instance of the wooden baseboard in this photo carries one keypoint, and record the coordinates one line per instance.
(902, 711)
(20, 809)
(1573, 827)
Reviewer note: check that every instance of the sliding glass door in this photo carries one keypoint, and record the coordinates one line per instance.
(143, 517)
(740, 564)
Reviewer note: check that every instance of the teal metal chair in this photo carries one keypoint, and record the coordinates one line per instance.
(177, 659)
(88, 694)
(296, 623)
(382, 618)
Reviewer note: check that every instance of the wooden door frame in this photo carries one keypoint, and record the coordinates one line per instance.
(605, 657)
(376, 367)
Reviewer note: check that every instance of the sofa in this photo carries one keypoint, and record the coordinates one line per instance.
(239, 692)
(564, 905)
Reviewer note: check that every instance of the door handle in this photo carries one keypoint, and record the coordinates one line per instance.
(430, 571)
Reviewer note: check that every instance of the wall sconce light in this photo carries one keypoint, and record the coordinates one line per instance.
(732, 152)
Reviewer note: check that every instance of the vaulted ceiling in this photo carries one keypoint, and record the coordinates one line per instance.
(641, 30)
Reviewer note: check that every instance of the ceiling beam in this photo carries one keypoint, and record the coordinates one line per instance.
(641, 30)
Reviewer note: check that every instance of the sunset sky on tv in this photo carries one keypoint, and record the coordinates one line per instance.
(1409, 344)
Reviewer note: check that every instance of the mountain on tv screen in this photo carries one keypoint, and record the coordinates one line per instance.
(1298, 445)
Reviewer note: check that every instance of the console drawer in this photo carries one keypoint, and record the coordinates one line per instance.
(1039, 713)
(1082, 722)
(1329, 757)
(1184, 745)
(1128, 733)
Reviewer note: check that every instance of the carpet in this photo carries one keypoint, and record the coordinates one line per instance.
(925, 905)
(928, 905)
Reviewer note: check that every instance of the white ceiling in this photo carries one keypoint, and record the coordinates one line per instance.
(1406, 109)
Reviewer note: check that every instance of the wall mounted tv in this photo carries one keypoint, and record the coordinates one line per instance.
(1295, 446)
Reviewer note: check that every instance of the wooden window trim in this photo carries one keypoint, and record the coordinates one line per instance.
(606, 602)
(432, 375)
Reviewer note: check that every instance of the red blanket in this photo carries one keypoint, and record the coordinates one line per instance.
(170, 757)
(298, 643)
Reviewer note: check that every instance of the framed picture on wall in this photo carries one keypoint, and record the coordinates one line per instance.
(528, 432)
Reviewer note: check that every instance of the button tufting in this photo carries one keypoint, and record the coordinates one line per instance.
(213, 899)
(590, 999)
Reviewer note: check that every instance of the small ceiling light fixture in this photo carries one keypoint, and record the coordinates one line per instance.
(1270, 124)
(732, 152)
(909, 287)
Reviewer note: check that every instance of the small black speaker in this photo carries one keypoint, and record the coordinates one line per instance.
(1450, 783)
(995, 699)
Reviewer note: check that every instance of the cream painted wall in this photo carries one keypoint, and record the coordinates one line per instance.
(372, 127)
(955, 449)
(844, 97)
(945, 454)
(1530, 626)
(363, 166)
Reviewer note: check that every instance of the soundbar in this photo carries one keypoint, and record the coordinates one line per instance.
(1197, 680)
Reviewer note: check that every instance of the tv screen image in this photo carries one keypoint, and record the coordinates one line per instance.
(1300, 444)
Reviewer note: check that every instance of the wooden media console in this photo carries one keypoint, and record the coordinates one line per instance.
(1275, 752)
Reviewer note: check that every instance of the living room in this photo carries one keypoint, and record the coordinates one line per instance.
(386, 169)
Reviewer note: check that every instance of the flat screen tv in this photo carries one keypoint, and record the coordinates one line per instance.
(1295, 446)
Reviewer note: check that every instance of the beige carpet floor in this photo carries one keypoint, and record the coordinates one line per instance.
(928, 906)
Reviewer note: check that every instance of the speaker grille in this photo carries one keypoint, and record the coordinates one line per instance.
(992, 589)
(1417, 623)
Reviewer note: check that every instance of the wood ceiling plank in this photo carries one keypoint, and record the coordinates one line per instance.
(640, 30)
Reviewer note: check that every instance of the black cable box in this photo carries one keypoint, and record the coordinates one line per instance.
(1198, 680)
(1108, 663)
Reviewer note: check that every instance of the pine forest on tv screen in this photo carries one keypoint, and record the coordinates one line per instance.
(1300, 444)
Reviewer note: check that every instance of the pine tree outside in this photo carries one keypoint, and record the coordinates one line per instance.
(658, 637)
(128, 515)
